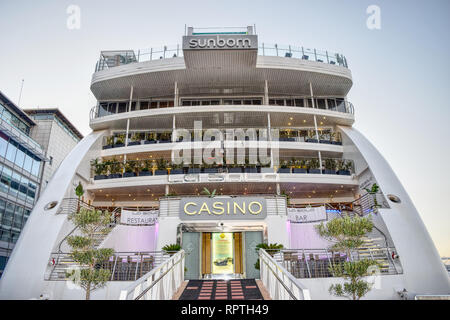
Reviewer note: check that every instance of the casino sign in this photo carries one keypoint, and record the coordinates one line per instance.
(242, 208)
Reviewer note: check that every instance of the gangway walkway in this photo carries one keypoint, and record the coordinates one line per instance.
(241, 289)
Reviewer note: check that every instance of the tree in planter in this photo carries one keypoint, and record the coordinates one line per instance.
(84, 252)
(114, 166)
(330, 164)
(99, 167)
(130, 166)
(373, 191)
(209, 193)
(171, 249)
(271, 249)
(288, 197)
(347, 234)
(120, 139)
(79, 192)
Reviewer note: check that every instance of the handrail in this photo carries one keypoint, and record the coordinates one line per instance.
(343, 107)
(111, 59)
(154, 278)
(294, 290)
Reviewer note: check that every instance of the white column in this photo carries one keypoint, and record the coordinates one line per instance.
(269, 138)
(128, 124)
(317, 137)
(174, 137)
(175, 101)
(315, 124)
(266, 92)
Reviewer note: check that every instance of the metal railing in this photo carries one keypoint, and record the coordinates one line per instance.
(342, 107)
(316, 263)
(110, 59)
(311, 166)
(124, 266)
(71, 205)
(160, 283)
(280, 283)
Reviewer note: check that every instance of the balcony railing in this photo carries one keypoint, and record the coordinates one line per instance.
(134, 168)
(111, 59)
(137, 138)
(315, 263)
(123, 266)
(113, 108)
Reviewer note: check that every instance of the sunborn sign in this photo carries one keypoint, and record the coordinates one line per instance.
(220, 42)
(217, 208)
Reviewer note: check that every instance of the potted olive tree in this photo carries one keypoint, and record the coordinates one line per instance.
(130, 169)
(313, 166)
(135, 139)
(161, 167)
(330, 166)
(109, 142)
(115, 169)
(100, 170)
(177, 168)
(300, 166)
(120, 141)
(284, 167)
(145, 168)
(150, 138)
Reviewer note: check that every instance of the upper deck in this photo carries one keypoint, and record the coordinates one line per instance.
(221, 62)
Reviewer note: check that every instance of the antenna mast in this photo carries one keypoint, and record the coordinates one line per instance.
(20, 94)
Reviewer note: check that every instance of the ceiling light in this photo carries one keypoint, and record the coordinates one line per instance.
(304, 121)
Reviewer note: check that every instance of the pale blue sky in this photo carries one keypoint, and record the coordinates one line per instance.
(401, 73)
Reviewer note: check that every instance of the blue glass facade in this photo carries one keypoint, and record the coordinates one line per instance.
(20, 169)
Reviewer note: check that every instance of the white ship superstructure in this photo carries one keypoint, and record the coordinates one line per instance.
(267, 130)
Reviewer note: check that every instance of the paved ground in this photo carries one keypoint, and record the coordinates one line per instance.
(243, 289)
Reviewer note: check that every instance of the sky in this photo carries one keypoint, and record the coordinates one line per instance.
(401, 72)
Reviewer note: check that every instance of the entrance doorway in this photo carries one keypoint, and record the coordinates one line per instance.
(221, 253)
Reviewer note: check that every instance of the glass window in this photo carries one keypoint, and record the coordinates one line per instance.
(3, 144)
(143, 105)
(163, 104)
(186, 103)
(20, 156)
(31, 191)
(7, 218)
(122, 107)
(133, 106)
(257, 102)
(11, 152)
(28, 164)
(112, 107)
(103, 109)
(331, 104)
(18, 217)
(320, 103)
(23, 188)
(299, 103)
(15, 184)
(5, 180)
(36, 167)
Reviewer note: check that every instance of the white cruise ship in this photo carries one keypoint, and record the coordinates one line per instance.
(217, 145)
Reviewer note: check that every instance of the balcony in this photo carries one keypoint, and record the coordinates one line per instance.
(113, 169)
(111, 59)
(338, 105)
(138, 138)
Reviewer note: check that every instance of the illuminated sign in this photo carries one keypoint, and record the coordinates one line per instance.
(139, 217)
(218, 208)
(220, 42)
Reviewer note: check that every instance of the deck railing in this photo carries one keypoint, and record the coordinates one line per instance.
(110, 59)
(280, 283)
(161, 283)
(342, 107)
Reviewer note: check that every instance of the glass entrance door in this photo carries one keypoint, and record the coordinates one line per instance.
(222, 253)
